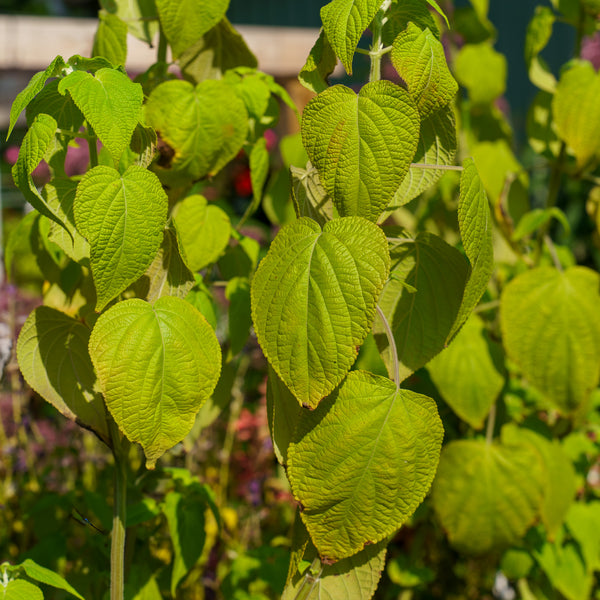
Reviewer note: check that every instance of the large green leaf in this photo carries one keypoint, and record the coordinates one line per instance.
(419, 58)
(21, 589)
(38, 140)
(203, 231)
(560, 485)
(122, 217)
(62, 108)
(353, 578)
(309, 196)
(314, 298)
(35, 85)
(205, 126)
(475, 225)
(576, 111)
(482, 70)
(583, 522)
(110, 40)
(437, 146)
(487, 495)
(186, 21)
(54, 359)
(111, 103)
(319, 65)
(362, 145)
(220, 49)
(551, 329)
(344, 22)
(420, 301)
(156, 364)
(362, 462)
(465, 374)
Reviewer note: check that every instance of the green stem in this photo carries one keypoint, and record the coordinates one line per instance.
(392, 343)
(377, 49)
(117, 549)
(92, 140)
(161, 53)
(491, 424)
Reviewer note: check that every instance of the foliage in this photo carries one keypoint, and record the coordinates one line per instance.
(399, 300)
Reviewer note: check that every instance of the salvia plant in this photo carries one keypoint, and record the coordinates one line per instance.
(378, 304)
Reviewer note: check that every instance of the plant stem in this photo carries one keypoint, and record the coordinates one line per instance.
(377, 50)
(392, 343)
(161, 53)
(92, 140)
(117, 549)
(491, 424)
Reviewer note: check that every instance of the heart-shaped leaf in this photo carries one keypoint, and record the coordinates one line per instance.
(203, 231)
(551, 329)
(54, 359)
(362, 145)
(313, 300)
(420, 301)
(419, 58)
(576, 111)
(205, 126)
(157, 364)
(486, 495)
(362, 462)
(186, 21)
(344, 22)
(122, 217)
(482, 70)
(111, 103)
(466, 376)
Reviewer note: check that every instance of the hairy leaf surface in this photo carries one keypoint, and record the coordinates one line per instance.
(551, 329)
(203, 231)
(486, 495)
(313, 300)
(157, 364)
(122, 217)
(344, 22)
(205, 126)
(362, 462)
(419, 58)
(111, 103)
(362, 145)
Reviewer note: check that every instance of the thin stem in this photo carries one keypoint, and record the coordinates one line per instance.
(436, 167)
(117, 549)
(392, 343)
(486, 306)
(377, 48)
(553, 254)
(491, 424)
(92, 140)
(161, 53)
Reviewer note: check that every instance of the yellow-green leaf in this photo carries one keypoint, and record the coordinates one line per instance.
(156, 364)
(551, 329)
(313, 300)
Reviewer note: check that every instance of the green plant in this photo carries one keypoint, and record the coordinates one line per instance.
(369, 314)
